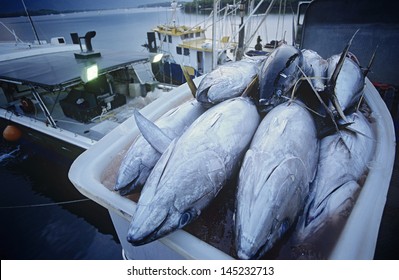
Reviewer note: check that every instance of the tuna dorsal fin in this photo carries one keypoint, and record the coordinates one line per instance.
(152, 133)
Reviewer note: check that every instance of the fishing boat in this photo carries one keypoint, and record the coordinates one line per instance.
(179, 46)
(173, 46)
(211, 237)
(68, 96)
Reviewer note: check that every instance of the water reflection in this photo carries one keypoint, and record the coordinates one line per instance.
(81, 230)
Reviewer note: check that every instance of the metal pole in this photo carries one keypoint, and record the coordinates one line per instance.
(240, 50)
(31, 22)
(214, 50)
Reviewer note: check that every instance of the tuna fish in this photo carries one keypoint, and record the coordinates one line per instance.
(343, 160)
(193, 170)
(227, 81)
(274, 178)
(279, 73)
(143, 154)
(349, 85)
(315, 67)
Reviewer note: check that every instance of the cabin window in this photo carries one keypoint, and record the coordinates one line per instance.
(170, 38)
(178, 50)
(159, 36)
(197, 34)
(186, 51)
(191, 35)
(185, 36)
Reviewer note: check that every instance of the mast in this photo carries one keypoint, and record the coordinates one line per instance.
(214, 50)
(241, 35)
(31, 23)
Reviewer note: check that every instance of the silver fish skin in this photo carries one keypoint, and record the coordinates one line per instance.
(225, 82)
(142, 157)
(343, 160)
(350, 82)
(278, 74)
(274, 178)
(193, 170)
(315, 67)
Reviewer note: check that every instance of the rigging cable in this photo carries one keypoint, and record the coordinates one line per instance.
(44, 204)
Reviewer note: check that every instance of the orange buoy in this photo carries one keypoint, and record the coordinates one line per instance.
(12, 133)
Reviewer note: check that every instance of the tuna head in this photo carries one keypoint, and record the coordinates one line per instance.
(279, 72)
(172, 199)
(273, 203)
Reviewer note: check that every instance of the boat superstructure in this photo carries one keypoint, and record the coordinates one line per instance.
(188, 47)
(70, 92)
(200, 50)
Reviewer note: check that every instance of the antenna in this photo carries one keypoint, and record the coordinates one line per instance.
(31, 23)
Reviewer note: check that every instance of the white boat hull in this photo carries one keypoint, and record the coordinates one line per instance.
(357, 240)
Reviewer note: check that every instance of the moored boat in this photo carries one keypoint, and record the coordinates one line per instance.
(70, 95)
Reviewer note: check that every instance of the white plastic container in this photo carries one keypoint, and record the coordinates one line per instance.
(356, 241)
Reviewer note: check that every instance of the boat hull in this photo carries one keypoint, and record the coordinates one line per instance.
(45, 142)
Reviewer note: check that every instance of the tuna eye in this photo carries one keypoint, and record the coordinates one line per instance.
(284, 226)
(185, 219)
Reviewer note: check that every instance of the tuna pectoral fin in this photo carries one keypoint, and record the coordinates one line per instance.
(328, 215)
(152, 133)
(341, 201)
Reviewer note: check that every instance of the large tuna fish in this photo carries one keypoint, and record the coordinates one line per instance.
(227, 81)
(274, 178)
(349, 83)
(193, 170)
(279, 73)
(315, 67)
(343, 160)
(142, 156)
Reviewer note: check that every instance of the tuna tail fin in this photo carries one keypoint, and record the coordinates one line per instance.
(329, 112)
(190, 83)
(329, 130)
(333, 80)
(334, 76)
(367, 70)
(152, 133)
(253, 84)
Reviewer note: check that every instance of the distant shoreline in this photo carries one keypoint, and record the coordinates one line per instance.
(43, 12)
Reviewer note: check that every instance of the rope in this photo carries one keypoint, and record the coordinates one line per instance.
(44, 204)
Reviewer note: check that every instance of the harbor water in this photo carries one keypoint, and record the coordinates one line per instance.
(43, 216)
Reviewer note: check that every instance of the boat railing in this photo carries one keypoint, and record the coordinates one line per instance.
(17, 39)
